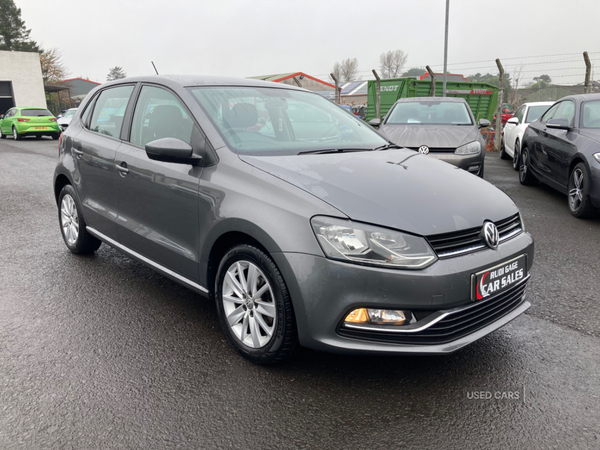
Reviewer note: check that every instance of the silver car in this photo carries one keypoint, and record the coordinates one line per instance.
(299, 221)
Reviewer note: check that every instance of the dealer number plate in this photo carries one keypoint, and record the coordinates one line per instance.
(497, 279)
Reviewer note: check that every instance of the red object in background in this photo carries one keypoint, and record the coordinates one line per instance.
(506, 114)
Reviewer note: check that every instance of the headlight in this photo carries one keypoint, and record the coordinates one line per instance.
(344, 240)
(597, 156)
(473, 148)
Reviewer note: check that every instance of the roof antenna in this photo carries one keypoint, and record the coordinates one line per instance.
(154, 67)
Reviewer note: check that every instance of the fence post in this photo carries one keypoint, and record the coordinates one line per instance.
(377, 96)
(588, 69)
(432, 75)
(337, 88)
(498, 126)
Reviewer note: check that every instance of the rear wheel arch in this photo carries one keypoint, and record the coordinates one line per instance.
(60, 182)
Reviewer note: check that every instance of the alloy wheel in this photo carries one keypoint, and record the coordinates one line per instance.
(576, 193)
(249, 304)
(516, 156)
(15, 134)
(69, 219)
(523, 166)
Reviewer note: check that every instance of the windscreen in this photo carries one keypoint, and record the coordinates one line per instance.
(591, 114)
(70, 113)
(535, 112)
(35, 113)
(430, 112)
(274, 121)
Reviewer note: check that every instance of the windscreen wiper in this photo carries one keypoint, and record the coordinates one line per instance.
(334, 150)
(387, 147)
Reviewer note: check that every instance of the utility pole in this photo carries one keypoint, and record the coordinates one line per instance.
(432, 75)
(588, 69)
(337, 88)
(446, 49)
(498, 126)
(377, 96)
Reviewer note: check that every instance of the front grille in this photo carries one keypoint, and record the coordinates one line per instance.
(455, 325)
(462, 242)
(436, 149)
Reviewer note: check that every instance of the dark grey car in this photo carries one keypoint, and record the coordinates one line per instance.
(300, 221)
(443, 127)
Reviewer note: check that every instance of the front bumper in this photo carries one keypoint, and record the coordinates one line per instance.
(324, 291)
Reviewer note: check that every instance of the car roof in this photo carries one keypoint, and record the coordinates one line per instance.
(431, 99)
(581, 97)
(198, 80)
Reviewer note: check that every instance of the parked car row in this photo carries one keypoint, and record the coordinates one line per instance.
(299, 220)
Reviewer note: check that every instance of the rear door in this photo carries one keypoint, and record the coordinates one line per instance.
(158, 201)
(94, 150)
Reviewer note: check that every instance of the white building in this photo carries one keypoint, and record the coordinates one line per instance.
(21, 82)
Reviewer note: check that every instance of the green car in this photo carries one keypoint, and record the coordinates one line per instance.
(20, 122)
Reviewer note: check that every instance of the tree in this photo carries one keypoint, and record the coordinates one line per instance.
(392, 63)
(541, 82)
(415, 72)
(13, 34)
(115, 73)
(53, 69)
(349, 69)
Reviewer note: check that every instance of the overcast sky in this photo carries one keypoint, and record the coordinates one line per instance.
(260, 37)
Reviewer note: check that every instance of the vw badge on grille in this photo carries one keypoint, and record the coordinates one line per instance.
(490, 235)
(423, 149)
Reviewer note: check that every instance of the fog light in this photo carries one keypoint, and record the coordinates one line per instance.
(387, 316)
(378, 316)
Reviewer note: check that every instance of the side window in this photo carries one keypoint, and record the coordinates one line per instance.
(109, 110)
(159, 114)
(520, 114)
(88, 110)
(550, 113)
(10, 113)
(566, 110)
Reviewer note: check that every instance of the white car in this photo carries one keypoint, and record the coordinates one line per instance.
(516, 126)
(65, 120)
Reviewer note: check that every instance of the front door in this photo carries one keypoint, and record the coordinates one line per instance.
(158, 201)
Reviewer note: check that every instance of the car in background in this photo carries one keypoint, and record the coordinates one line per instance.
(298, 220)
(562, 150)
(65, 120)
(516, 126)
(507, 113)
(29, 121)
(442, 127)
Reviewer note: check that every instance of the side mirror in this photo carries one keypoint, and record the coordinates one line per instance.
(375, 122)
(172, 150)
(483, 123)
(561, 124)
(513, 121)
(1, 116)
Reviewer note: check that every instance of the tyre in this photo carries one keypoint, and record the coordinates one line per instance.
(516, 155)
(55, 136)
(72, 224)
(2, 135)
(579, 186)
(254, 306)
(16, 135)
(503, 154)
(525, 176)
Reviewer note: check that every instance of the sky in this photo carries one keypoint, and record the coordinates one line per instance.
(242, 38)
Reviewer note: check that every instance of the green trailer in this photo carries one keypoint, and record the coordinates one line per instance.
(481, 97)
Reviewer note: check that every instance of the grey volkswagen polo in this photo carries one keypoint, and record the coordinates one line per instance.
(299, 221)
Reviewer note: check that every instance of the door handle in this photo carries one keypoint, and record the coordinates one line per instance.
(77, 152)
(122, 168)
